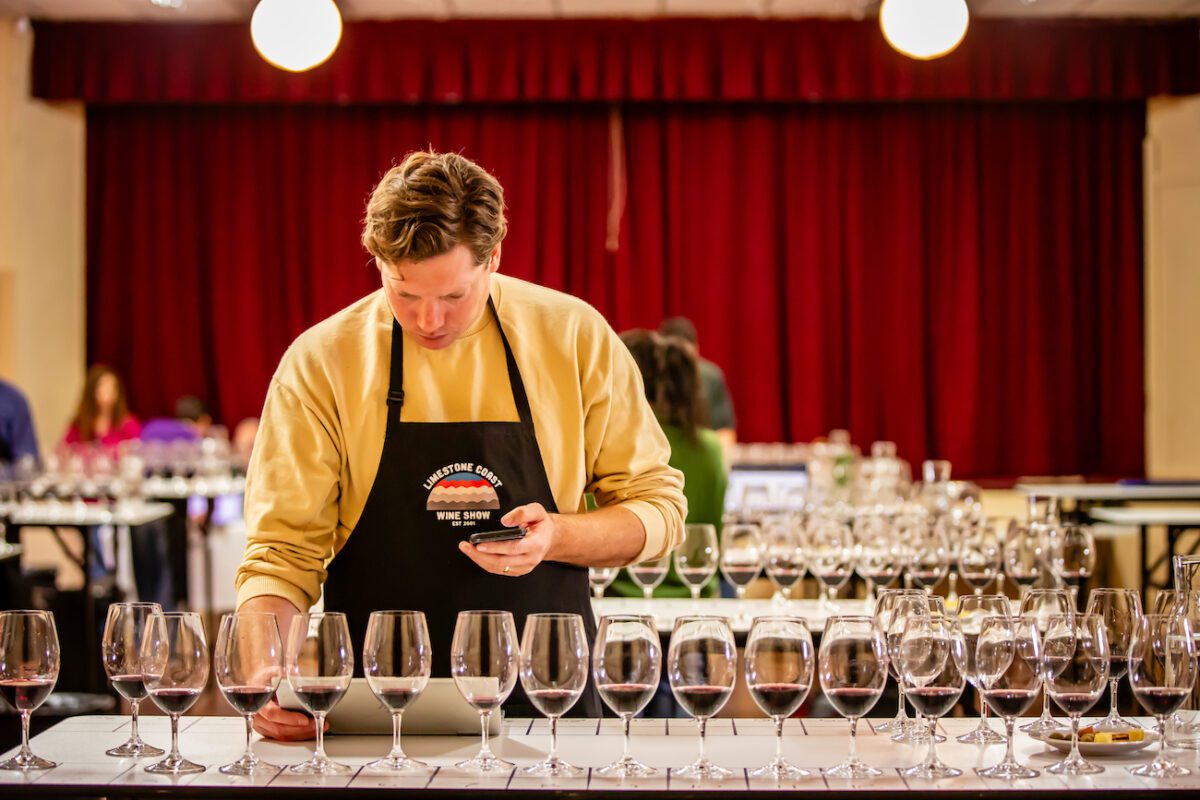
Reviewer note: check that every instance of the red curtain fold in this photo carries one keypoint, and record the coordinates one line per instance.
(470, 61)
(962, 278)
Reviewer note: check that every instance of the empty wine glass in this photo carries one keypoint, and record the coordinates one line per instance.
(554, 671)
(879, 555)
(1076, 657)
(741, 556)
(932, 668)
(971, 612)
(397, 660)
(29, 662)
(121, 650)
(650, 573)
(320, 664)
(696, 557)
(1162, 671)
(1008, 659)
(1120, 609)
(906, 607)
(484, 660)
(626, 665)
(929, 552)
(830, 549)
(175, 663)
(600, 578)
(702, 669)
(785, 557)
(1072, 555)
(1023, 555)
(884, 616)
(779, 674)
(980, 556)
(852, 664)
(248, 663)
(1040, 605)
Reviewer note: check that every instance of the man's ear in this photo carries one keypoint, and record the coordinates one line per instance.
(493, 264)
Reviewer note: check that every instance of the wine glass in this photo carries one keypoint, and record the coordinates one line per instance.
(1162, 671)
(1184, 604)
(1023, 555)
(29, 662)
(971, 612)
(929, 553)
(785, 557)
(121, 650)
(397, 660)
(884, 615)
(852, 664)
(980, 557)
(626, 665)
(1040, 605)
(320, 664)
(779, 674)
(248, 663)
(1008, 660)
(1120, 609)
(954, 528)
(830, 557)
(600, 578)
(879, 555)
(650, 573)
(696, 557)
(1072, 555)
(932, 668)
(741, 556)
(702, 668)
(1076, 658)
(484, 660)
(175, 664)
(554, 672)
(908, 606)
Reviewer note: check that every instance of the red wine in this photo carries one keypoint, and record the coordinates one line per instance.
(932, 701)
(927, 577)
(1075, 702)
(175, 701)
(853, 701)
(647, 577)
(397, 698)
(317, 698)
(27, 694)
(779, 699)
(832, 574)
(977, 578)
(1159, 700)
(131, 687)
(741, 576)
(1010, 702)
(1118, 665)
(695, 575)
(785, 577)
(627, 698)
(879, 577)
(553, 702)
(248, 699)
(702, 701)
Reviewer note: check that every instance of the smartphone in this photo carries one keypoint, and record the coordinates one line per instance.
(502, 535)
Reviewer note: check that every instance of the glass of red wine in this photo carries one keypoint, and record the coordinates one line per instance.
(248, 663)
(696, 557)
(29, 662)
(320, 664)
(626, 665)
(779, 673)
(972, 610)
(554, 672)
(175, 663)
(1040, 605)
(484, 661)
(852, 665)
(702, 669)
(1120, 609)
(1008, 665)
(932, 666)
(1162, 671)
(649, 574)
(1076, 658)
(397, 660)
(890, 604)
(121, 649)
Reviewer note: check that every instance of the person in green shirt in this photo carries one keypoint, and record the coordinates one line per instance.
(671, 375)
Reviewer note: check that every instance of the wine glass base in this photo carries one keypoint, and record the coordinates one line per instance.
(893, 725)
(1008, 771)
(1117, 723)
(779, 771)
(1074, 766)
(981, 736)
(703, 770)
(135, 749)
(553, 769)
(626, 768)
(248, 766)
(175, 766)
(485, 765)
(320, 766)
(398, 765)
(26, 763)
(932, 771)
(853, 771)
(916, 732)
(1159, 769)
(1043, 725)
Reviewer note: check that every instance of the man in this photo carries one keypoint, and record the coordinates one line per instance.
(720, 405)
(450, 401)
(18, 440)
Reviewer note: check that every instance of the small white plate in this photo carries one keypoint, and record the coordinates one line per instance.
(1093, 750)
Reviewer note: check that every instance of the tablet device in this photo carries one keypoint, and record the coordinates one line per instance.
(440, 709)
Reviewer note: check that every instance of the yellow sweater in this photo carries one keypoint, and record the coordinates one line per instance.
(322, 430)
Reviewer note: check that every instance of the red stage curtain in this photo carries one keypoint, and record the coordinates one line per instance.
(962, 278)
(420, 61)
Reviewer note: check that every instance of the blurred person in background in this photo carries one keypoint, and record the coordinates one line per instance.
(18, 439)
(103, 417)
(190, 423)
(715, 391)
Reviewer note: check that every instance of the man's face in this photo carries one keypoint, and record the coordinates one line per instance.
(437, 300)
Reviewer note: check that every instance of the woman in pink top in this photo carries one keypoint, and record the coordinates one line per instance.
(103, 417)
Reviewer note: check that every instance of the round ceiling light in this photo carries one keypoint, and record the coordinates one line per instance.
(924, 29)
(296, 35)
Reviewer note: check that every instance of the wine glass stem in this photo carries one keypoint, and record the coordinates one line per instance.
(779, 738)
(626, 719)
(1045, 702)
(931, 756)
(648, 592)
(397, 750)
(983, 713)
(319, 718)
(485, 750)
(695, 592)
(900, 712)
(553, 758)
(249, 737)
(1074, 756)
(1009, 724)
(1162, 738)
(1112, 691)
(703, 723)
(25, 751)
(133, 720)
(175, 738)
(853, 739)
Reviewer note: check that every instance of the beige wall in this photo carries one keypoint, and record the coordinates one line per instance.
(41, 240)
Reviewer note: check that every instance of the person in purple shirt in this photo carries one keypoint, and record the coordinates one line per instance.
(190, 423)
(18, 439)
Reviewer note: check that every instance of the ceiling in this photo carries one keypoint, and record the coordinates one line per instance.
(197, 10)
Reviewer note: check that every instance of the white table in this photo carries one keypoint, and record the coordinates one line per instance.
(740, 612)
(78, 744)
(1178, 520)
(1111, 492)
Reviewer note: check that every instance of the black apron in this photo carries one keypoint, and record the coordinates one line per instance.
(437, 483)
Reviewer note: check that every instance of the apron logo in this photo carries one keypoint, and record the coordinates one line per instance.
(463, 494)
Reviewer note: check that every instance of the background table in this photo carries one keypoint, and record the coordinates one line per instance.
(79, 744)
(740, 612)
